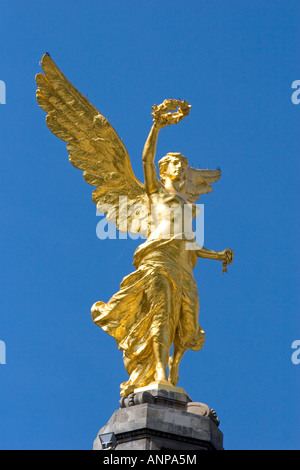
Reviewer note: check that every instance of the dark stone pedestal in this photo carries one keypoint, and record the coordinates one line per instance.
(161, 417)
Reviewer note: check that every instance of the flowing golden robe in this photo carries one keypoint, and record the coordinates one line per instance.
(159, 301)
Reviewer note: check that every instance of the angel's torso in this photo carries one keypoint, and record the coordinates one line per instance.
(171, 216)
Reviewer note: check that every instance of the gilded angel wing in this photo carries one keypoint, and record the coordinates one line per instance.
(199, 182)
(93, 147)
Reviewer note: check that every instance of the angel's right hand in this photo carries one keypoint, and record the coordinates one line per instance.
(159, 125)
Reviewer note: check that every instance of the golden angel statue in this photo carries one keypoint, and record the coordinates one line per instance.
(157, 305)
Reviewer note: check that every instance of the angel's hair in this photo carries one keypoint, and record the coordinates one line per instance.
(164, 163)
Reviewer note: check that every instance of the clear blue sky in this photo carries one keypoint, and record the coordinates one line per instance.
(235, 62)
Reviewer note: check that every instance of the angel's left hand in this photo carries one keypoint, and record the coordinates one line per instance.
(227, 255)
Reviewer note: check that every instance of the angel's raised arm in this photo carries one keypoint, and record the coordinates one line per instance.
(150, 174)
(168, 112)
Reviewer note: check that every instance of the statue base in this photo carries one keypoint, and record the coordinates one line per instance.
(162, 417)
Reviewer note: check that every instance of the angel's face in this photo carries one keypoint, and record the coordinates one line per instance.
(176, 169)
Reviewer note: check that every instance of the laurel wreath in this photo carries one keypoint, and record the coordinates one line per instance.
(170, 112)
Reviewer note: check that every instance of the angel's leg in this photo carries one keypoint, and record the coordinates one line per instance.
(188, 334)
(161, 354)
(160, 302)
(174, 362)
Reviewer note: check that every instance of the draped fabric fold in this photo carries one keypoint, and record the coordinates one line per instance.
(159, 301)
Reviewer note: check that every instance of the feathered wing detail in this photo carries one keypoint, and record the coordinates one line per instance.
(93, 147)
(199, 182)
